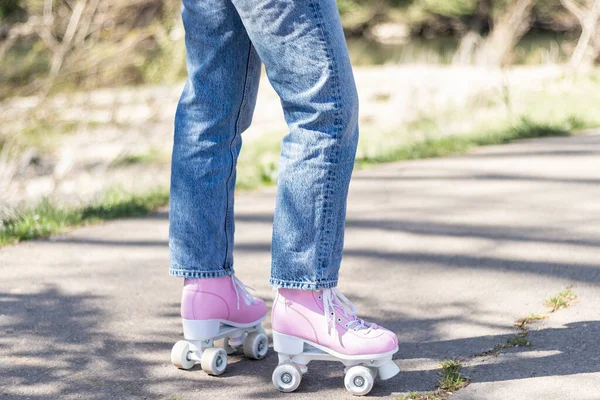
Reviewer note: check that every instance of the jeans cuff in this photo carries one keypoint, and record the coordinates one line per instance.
(190, 273)
(284, 284)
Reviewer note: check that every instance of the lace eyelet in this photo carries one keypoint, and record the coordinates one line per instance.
(332, 314)
(319, 297)
(339, 320)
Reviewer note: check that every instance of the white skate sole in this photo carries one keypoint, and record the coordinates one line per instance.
(361, 370)
(208, 342)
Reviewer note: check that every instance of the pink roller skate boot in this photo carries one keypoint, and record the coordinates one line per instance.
(322, 325)
(219, 309)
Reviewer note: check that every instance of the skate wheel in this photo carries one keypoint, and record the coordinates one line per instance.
(287, 377)
(213, 361)
(256, 345)
(180, 355)
(359, 380)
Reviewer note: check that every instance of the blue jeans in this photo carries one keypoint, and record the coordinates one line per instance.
(302, 46)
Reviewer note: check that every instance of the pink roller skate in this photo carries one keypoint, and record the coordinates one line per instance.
(322, 325)
(219, 309)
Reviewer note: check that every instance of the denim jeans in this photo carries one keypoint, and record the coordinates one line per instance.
(302, 46)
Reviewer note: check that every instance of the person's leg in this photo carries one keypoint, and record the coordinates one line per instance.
(215, 107)
(304, 51)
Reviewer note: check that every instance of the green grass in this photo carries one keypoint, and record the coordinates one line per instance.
(421, 396)
(452, 379)
(520, 340)
(523, 322)
(562, 300)
(257, 166)
(453, 145)
(46, 219)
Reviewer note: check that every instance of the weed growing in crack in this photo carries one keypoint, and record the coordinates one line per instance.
(562, 300)
(421, 396)
(452, 380)
(523, 322)
(520, 340)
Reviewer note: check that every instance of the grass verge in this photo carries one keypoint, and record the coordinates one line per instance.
(46, 219)
(453, 145)
(258, 167)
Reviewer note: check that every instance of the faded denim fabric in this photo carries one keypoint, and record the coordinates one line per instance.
(302, 46)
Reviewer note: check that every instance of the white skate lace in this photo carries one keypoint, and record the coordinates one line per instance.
(241, 290)
(333, 299)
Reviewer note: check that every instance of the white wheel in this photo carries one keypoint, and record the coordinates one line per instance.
(287, 377)
(359, 380)
(180, 355)
(256, 345)
(214, 361)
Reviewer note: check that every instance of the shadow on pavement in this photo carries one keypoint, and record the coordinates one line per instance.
(56, 345)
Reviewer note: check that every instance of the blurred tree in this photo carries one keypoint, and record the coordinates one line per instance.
(511, 21)
(588, 16)
(470, 41)
(89, 43)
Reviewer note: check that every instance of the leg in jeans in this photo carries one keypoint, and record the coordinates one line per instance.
(304, 51)
(303, 48)
(215, 107)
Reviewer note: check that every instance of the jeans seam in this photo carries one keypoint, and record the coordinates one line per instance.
(330, 176)
(233, 160)
(186, 273)
(288, 284)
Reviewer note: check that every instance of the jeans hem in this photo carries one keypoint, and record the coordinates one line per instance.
(181, 273)
(285, 284)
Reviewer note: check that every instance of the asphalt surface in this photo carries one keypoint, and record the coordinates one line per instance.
(448, 253)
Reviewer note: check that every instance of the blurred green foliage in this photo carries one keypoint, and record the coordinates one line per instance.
(8, 7)
(142, 42)
(450, 9)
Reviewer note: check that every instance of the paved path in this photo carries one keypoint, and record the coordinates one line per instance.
(447, 253)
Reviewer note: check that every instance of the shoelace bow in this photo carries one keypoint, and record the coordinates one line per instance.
(241, 290)
(333, 299)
